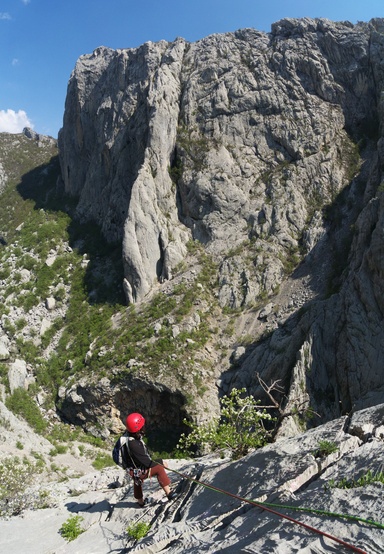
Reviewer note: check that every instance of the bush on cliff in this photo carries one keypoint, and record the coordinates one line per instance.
(240, 429)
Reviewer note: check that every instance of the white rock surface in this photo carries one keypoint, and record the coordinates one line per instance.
(286, 473)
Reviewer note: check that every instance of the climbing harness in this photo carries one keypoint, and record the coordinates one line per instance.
(137, 474)
(265, 506)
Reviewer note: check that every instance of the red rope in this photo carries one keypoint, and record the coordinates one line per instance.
(309, 527)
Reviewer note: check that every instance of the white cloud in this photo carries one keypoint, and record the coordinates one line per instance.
(4, 15)
(13, 122)
(25, 2)
(15, 61)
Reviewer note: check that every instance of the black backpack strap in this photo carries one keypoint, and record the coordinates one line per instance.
(130, 457)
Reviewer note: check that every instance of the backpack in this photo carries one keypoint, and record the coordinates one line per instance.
(120, 453)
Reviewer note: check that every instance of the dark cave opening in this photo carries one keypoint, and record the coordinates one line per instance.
(164, 412)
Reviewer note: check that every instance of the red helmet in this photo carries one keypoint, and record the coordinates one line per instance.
(135, 422)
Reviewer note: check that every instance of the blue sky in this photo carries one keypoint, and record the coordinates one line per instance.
(40, 40)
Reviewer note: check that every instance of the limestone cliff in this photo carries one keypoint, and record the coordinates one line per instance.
(243, 176)
(268, 150)
(237, 137)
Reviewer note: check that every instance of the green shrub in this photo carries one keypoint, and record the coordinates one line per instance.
(28, 301)
(138, 530)
(8, 327)
(20, 323)
(63, 432)
(60, 293)
(3, 372)
(240, 429)
(194, 246)
(15, 476)
(71, 528)
(102, 460)
(22, 404)
(58, 449)
(27, 262)
(176, 170)
(56, 325)
(28, 350)
(325, 448)
(5, 272)
(45, 278)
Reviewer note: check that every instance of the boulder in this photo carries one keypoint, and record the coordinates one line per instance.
(17, 375)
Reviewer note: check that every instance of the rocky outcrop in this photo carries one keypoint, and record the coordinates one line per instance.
(327, 353)
(327, 479)
(41, 140)
(124, 183)
(101, 407)
(3, 181)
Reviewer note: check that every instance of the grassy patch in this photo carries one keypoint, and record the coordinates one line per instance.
(102, 460)
(21, 403)
(362, 481)
(138, 530)
(71, 528)
(325, 448)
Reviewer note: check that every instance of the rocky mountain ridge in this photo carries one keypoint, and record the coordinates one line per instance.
(267, 150)
(242, 176)
(241, 123)
(301, 307)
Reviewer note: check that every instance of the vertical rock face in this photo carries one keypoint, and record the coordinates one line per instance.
(266, 148)
(237, 137)
(119, 133)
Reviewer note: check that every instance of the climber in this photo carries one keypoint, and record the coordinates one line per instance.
(142, 465)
